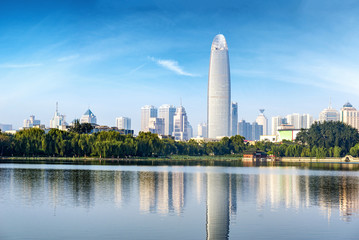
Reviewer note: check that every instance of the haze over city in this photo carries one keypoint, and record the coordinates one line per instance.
(116, 57)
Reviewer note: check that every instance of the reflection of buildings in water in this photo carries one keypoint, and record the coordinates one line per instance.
(163, 193)
(217, 206)
(348, 198)
(278, 189)
(147, 191)
(199, 180)
(233, 194)
(178, 191)
(118, 188)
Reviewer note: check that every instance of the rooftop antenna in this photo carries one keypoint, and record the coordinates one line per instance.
(181, 101)
(57, 107)
(330, 102)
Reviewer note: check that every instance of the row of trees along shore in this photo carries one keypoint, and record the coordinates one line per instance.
(328, 139)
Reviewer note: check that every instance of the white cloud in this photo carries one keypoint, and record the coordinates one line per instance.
(26, 65)
(68, 58)
(172, 65)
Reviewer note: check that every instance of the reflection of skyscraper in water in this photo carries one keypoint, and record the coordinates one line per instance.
(233, 194)
(162, 193)
(348, 198)
(178, 191)
(147, 191)
(217, 206)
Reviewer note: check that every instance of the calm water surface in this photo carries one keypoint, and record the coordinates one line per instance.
(144, 202)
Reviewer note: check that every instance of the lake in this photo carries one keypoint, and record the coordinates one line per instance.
(40, 201)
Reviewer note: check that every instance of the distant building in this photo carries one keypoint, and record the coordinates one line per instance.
(349, 115)
(257, 131)
(180, 131)
(88, 117)
(306, 121)
(123, 123)
(263, 121)
(189, 131)
(234, 118)
(111, 129)
(276, 122)
(287, 134)
(295, 120)
(5, 127)
(269, 138)
(156, 125)
(202, 130)
(245, 129)
(147, 112)
(31, 122)
(329, 114)
(167, 112)
(58, 120)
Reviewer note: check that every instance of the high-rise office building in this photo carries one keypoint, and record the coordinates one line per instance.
(202, 130)
(167, 112)
(156, 125)
(180, 124)
(306, 121)
(219, 90)
(123, 123)
(234, 118)
(257, 131)
(88, 117)
(349, 115)
(147, 112)
(263, 121)
(245, 129)
(58, 120)
(329, 114)
(189, 131)
(295, 120)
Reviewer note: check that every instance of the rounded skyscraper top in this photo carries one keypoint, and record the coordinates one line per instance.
(219, 90)
(219, 43)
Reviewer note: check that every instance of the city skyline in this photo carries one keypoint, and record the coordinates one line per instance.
(134, 54)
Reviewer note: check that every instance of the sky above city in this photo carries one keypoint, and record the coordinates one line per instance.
(116, 56)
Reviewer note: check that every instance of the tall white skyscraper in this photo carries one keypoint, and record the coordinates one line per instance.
(123, 123)
(219, 90)
(349, 115)
(57, 120)
(88, 117)
(306, 121)
(234, 118)
(202, 130)
(147, 112)
(329, 114)
(180, 131)
(167, 112)
(262, 120)
(295, 120)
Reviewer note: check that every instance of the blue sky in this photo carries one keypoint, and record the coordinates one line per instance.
(116, 56)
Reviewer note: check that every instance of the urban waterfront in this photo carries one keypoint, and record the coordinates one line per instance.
(176, 202)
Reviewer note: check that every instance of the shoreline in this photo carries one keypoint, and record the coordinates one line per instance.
(173, 160)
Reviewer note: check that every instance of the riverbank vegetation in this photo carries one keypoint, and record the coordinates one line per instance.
(328, 139)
